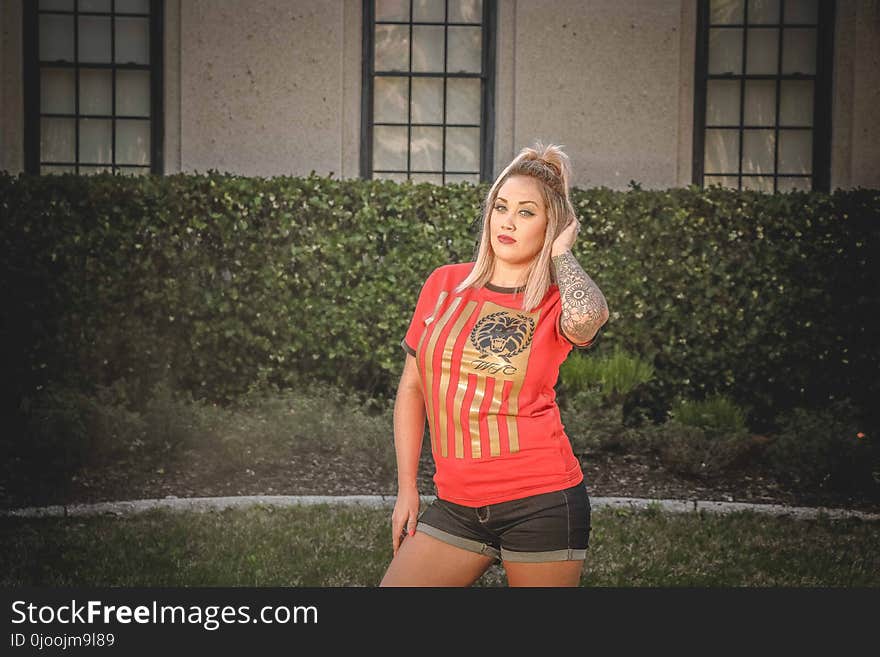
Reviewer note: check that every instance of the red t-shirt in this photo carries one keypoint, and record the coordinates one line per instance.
(488, 369)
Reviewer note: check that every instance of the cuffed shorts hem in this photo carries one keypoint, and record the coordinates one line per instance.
(569, 554)
(464, 543)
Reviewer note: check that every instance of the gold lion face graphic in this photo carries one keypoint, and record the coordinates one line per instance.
(502, 334)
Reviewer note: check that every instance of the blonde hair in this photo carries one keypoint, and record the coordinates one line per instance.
(551, 167)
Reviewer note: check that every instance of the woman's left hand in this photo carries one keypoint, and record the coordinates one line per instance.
(565, 240)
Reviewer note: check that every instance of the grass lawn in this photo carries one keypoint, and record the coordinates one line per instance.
(335, 545)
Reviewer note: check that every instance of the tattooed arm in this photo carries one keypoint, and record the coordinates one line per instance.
(584, 309)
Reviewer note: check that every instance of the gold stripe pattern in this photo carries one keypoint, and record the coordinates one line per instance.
(494, 407)
(440, 431)
(512, 409)
(474, 411)
(426, 379)
(446, 376)
(476, 447)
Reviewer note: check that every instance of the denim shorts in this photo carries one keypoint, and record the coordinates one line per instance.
(551, 526)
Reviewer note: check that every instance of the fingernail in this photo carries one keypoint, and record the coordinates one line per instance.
(412, 532)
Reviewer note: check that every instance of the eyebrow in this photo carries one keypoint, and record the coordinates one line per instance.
(501, 198)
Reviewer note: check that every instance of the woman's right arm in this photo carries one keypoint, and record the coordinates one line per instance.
(409, 429)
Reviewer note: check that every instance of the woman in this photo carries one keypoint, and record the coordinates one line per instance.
(483, 353)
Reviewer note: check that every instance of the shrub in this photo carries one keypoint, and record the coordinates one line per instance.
(715, 415)
(613, 375)
(650, 400)
(691, 451)
(821, 448)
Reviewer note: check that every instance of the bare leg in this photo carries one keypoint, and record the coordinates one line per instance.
(549, 573)
(423, 560)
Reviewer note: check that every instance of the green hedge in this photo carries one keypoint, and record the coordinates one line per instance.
(219, 282)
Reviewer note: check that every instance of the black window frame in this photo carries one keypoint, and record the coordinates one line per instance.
(822, 94)
(487, 91)
(31, 70)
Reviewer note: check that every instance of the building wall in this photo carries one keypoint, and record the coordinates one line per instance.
(275, 89)
(602, 78)
(865, 145)
(11, 90)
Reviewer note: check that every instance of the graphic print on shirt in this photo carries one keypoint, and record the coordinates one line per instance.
(489, 364)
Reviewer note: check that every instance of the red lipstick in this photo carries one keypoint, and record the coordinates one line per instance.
(506, 239)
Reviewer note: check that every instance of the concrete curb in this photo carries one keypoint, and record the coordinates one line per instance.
(202, 504)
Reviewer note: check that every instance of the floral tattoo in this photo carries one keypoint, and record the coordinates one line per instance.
(584, 308)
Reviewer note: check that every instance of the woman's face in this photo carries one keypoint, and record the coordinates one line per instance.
(519, 214)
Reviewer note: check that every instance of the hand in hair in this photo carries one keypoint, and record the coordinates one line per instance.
(565, 240)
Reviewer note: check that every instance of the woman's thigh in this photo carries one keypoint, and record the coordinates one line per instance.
(547, 573)
(423, 560)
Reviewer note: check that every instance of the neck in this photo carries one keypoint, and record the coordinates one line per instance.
(506, 274)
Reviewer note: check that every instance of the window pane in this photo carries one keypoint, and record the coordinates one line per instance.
(725, 181)
(763, 51)
(389, 147)
(465, 11)
(133, 93)
(463, 100)
(465, 50)
(57, 91)
(429, 10)
(94, 39)
(57, 5)
(758, 146)
(396, 177)
(763, 11)
(427, 149)
(795, 151)
(725, 51)
(95, 141)
(758, 183)
(389, 99)
(427, 49)
(473, 178)
(95, 5)
(799, 51)
(132, 141)
(794, 183)
(801, 11)
(133, 171)
(726, 11)
(57, 140)
(132, 6)
(95, 92)
(427, 102)
(50, 169)
(433, 178)
(722, 102)
(133, 40)
(392, 48)
(463, 149)
(722, 151)
(796, 103)
(760, 102)
(56, 38)
(392, 10)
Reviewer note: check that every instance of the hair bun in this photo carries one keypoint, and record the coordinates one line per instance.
(553, 165)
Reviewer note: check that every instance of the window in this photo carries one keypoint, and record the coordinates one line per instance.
(93, 86)
(428, 90)
(762, 108)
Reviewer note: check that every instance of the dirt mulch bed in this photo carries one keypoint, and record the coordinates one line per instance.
(198, 475)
